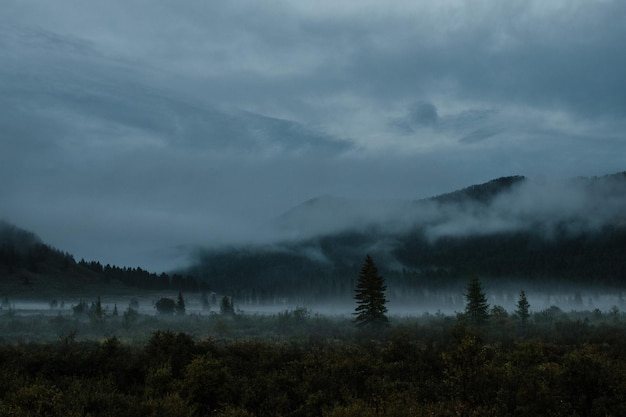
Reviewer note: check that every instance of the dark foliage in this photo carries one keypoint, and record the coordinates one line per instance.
(23, 257)
(482, 193)
(523, 307)
(370, 296)
(165, 305)
(547, 251)
(180, 304)
(434, 368)
(227, 308)
(476, 308)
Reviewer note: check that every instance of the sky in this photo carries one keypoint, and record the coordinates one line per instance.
(132, 130)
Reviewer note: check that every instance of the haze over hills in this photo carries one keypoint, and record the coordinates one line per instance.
(511, 228)
(30, 268)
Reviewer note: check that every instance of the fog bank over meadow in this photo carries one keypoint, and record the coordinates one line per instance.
(416, 304)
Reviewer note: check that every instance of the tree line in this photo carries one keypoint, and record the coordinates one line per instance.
(371, 310)
(480, 363)
(591, 259)
(142, 279)
(20, 261)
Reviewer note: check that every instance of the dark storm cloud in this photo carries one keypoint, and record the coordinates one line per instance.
(419, 114)
(129, 127)
(468, 127)
(567, 57)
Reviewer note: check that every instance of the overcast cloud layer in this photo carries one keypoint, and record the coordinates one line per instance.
(128, 128)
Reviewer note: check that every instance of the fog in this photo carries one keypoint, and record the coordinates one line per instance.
(572, 205)
(129, 132)
(415, 303)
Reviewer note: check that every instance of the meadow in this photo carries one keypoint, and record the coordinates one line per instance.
(299, 363)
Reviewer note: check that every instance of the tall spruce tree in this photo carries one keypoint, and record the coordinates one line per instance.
(180, 304)
(370, 296)
(477, 308)
(226, 306)
(523, 307)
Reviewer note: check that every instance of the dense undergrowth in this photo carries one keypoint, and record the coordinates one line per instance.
(295, 364)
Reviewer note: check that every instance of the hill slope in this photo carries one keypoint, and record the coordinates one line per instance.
(571, 231)
(28, 267)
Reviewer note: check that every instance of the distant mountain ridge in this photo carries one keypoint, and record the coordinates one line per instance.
(31, 268)
(328, 214)
(510, 227)
(480, 192)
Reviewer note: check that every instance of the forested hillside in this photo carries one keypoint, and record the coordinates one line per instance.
(573, 231)
(511, 228)
(27, 265)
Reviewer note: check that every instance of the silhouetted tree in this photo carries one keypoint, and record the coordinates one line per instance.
(477, 308)
(226, 306)
(165, 305)
(522, 307)
(204, 299)
(180, 304)
(80, 308)
(130, 317)
(96, 310)
(370, 296)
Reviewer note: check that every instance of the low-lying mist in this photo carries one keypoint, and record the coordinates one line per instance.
(412, 303)
(503, 205)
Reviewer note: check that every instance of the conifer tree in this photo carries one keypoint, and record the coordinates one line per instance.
(226, 307)
(477, 308)
(180, 304)
(370, 296)
(97, 309)
(522, 307)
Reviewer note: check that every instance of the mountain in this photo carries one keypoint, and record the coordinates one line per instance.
(569, 231)
(29, 267)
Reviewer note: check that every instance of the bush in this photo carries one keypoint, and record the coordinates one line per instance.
(165, 306)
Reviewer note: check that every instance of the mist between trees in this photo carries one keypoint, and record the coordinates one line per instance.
(302, 364)
(219, 358)
(134, 318)
(405, 303)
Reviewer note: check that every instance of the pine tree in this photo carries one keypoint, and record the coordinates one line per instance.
(97, 309)
(477, 308)
(370, 296)
(180, 304)
(226, 307)
(522, 307)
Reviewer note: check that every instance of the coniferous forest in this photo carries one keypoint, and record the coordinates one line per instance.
(165, 358)
(312, 208)
(296, 364)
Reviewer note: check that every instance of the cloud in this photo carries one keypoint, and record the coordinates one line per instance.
(212, 117)
(420, 114)
(478, 135)
(544, 207)
(468, 126)
(423, 113)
